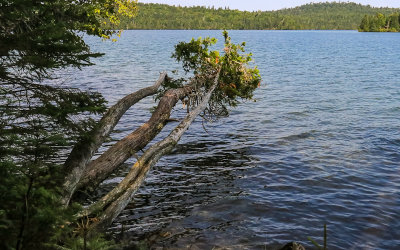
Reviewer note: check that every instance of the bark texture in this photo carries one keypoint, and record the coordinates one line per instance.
(99, 169)
(81, 154)
(112, 204)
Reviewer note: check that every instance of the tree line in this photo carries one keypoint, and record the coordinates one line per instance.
(380, 23)
(314, 16)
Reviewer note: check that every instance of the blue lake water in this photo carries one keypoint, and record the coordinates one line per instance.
(320, 145)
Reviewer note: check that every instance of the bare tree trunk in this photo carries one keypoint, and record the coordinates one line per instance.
(81, 154)
(99, 169)
(112, 204)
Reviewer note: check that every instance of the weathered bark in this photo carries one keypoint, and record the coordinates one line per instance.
(77, 161)
(111, 205)
(99, 169)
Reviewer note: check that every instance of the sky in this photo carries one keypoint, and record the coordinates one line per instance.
(265, 4)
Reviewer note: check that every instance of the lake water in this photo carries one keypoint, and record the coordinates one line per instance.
(320, 145)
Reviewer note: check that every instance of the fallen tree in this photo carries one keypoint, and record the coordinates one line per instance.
(218, 81)
(116, 200)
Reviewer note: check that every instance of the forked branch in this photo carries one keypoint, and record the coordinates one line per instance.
(83, 151)
(111, 205)
(100, 168)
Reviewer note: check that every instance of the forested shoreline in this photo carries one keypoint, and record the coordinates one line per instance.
(314, 16)
(380, 23)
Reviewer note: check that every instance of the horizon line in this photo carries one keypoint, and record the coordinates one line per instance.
(285, 8)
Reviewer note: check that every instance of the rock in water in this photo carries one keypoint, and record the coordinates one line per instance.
(292, 246)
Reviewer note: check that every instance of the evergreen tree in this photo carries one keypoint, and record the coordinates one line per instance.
(39, 122)
(364, 26)
(394, 22)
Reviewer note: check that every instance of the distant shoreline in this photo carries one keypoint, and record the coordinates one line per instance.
(256, 29)
(315, 16)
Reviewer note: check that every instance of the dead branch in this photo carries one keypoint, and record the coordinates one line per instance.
(111, 205)
(77, 161)
(99, 169)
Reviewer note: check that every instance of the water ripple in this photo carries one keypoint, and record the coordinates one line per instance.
(320, 145)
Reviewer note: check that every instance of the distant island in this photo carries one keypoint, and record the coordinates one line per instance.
(380, 23)
(314, 16)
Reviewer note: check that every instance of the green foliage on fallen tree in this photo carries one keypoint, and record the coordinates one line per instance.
(237, 79)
